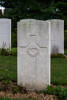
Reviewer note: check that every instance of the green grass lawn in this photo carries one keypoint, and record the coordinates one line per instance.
(59, 71)
(8, 69)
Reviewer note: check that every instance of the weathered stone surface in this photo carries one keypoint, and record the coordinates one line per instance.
(5, 33)
(56, 27)
(33, 54)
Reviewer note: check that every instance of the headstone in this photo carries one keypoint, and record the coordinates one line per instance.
(56, 27)
(33, 54)
(5, 33)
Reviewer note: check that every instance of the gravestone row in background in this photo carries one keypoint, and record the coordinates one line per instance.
(5, 33)
(56, 27)
(56, 30)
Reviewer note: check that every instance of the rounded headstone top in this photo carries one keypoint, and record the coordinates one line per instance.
(31, 21)
(5, 20)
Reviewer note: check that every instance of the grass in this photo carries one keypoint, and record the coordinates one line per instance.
(65, 51)
(8, 69)
(16, 99)
(59, 71)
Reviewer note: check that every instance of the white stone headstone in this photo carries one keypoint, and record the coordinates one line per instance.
(33, 54)
(56, 27)
(5, 33)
